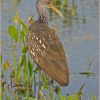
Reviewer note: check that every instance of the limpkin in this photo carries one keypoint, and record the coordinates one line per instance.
(45, 46)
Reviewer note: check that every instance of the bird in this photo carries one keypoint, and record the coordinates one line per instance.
(45, 47)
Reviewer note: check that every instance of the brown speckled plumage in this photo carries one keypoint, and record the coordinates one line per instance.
(47, 51)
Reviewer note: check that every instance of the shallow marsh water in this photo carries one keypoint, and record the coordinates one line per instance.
(79, 35)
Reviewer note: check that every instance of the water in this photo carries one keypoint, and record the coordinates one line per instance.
(79, 37)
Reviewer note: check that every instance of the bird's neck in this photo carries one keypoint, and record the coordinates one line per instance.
(42, 14)
(42, 19)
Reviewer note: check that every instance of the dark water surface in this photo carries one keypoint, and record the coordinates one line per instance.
(79, 37)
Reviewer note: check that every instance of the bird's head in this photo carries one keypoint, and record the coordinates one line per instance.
(48, 4)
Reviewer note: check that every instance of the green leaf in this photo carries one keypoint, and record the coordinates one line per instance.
(62, 97)
(45, 80)
(57, 90)
(30, 98)
(23, 59)
(94, 97)
(17, 20)
(13, 32)
(36, 70)
(71, 97)
(30, 68)
(74, 97)
(0, 58)
(22, 34)
(16, 17)
(24, 25)
(26, 75)
(18, 73)
(25, 49)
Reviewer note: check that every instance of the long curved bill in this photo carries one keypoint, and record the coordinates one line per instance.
(50, 5)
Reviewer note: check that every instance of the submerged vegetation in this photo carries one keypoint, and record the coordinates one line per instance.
(24, 81)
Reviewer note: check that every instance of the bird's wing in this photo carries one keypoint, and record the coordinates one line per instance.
(51, 56)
